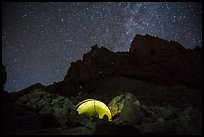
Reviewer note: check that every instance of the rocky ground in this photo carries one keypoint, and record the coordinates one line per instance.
(40, 112)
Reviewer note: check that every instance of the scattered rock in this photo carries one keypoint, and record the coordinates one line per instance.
(131, 113)
(43, 103)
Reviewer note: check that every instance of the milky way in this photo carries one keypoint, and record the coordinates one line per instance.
(40, 40)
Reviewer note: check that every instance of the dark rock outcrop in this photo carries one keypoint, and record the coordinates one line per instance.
(56, 87)
(169, 60)
(150, 59)
(4, 95)
(4, 76)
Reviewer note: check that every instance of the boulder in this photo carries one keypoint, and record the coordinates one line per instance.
(127, 107)
(131, 113)
(45, 103)
(116, 104)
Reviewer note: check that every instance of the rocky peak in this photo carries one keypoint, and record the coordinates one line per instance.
(156, 49)
(97, 55)
(150, 58)
(169, 58)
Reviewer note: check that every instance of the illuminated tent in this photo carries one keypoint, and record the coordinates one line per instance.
(92, 107)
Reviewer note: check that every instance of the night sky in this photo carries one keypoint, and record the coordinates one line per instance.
(40, 40)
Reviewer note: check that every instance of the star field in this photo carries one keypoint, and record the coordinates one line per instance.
(40, 40)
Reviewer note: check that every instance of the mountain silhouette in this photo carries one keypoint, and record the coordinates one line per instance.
(149, 59)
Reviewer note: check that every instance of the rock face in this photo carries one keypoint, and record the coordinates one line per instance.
(150, 59)
(169, 60)
(56, 87)
(4, 75)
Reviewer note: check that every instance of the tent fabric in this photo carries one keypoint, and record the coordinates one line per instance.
(92, 107)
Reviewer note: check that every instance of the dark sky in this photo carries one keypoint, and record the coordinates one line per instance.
(40, 40)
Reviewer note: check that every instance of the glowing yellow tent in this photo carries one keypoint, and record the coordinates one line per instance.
(92, 107)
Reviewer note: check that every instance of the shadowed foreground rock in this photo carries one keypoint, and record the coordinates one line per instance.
(45, 113)
(155, 120)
